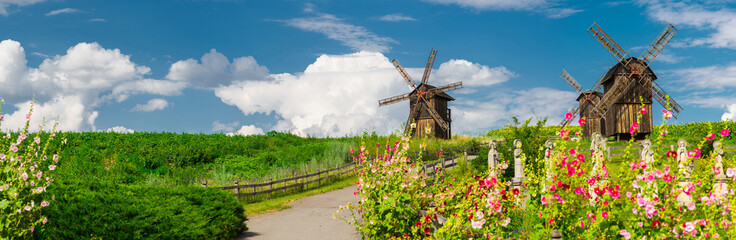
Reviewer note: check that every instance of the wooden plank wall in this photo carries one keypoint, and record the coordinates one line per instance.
(625, 115)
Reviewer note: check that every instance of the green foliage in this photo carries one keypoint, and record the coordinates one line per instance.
(114, 211)
(531, 136)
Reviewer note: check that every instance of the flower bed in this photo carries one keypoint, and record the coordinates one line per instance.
(653, 198)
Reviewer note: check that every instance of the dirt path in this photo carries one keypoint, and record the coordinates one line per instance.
(308, 218)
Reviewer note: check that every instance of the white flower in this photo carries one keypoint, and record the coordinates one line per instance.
(506, 222)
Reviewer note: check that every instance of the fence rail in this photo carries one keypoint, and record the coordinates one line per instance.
(338, 171)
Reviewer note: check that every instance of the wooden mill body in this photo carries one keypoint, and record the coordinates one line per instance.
(593, 123)
(424, 120)
(623, 112)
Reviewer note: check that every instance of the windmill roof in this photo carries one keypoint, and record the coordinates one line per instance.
(441, 94)
(620, 67)
(582, 95)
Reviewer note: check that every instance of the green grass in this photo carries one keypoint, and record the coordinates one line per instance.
(281, 203)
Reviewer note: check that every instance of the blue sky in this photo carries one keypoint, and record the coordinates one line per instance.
(319, 67)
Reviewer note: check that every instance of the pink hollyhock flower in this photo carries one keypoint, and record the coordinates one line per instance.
(568, 116)
(571, 151)
(725, 132)
(632, 131)
(45, 220)
(635, 125)
(582, 225)
(551, 220)
(579, 190)
(581, 157)
(604, 214)
(544, 201)
(664, 133)
(688, 227)
(633, 210)
(667, 114)
(643, 110)
(581, 121)
(710, 136)
(625, 234)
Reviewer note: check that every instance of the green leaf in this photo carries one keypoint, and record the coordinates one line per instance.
(4, 204)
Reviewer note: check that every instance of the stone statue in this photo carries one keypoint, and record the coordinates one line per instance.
(683, 163)
(647, 154)
(518, 162)
(493, 158)
(595, 141)
(718, 151)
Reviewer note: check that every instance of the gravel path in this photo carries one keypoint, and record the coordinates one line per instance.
(308, 218)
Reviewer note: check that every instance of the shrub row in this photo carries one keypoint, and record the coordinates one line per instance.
(112, 211)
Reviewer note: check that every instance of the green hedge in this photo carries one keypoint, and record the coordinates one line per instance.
(112, 211)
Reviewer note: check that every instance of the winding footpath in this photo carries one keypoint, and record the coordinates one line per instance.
(308, 218)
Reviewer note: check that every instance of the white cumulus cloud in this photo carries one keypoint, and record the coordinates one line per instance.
(119, 129)
(152, 105)
(338, 95)
(715, 77)
(247, 131)
(730, 113)
(472, 74)
(214, 70)
(72, 85)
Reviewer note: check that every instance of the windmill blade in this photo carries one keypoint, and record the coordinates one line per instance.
(412, 114)
(403, 73)
(608, 43)
(574, 84)
(658, 44)
(394, 99)
(661, 95)
(622, 84)
(446, 88)
(600, 80)
(573, 111)
(437, 118)
(428, 68)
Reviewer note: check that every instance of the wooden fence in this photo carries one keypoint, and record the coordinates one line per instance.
(298, 181)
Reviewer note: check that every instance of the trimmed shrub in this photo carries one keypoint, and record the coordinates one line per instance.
(112, 211)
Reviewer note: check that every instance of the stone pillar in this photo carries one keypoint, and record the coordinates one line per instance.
(720, 188)
(683, 168)
(549, 164)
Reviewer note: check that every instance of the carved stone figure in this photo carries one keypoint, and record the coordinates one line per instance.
(683, 163)
(518, 162)
(647, 154)
(595, 141)
(493, 158)
(718, 151)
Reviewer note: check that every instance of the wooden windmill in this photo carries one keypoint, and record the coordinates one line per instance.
(428, 104)
(629, 84)
(586, 101)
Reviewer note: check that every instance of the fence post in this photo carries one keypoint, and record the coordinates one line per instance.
(555, 235)
(254, 191)
(609, 153)
(270, 187)
(319, 177)
(237, 187)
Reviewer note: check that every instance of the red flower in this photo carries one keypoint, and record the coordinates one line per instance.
(418, 224)
(655, 224)
(427, 218)
(551, 220)
(672, 154)
(581, 121)
(581, 157)
(604, 214)
(605, 203)
(427, 230)
(515, 191)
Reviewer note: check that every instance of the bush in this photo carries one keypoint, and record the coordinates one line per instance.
(111, 211)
